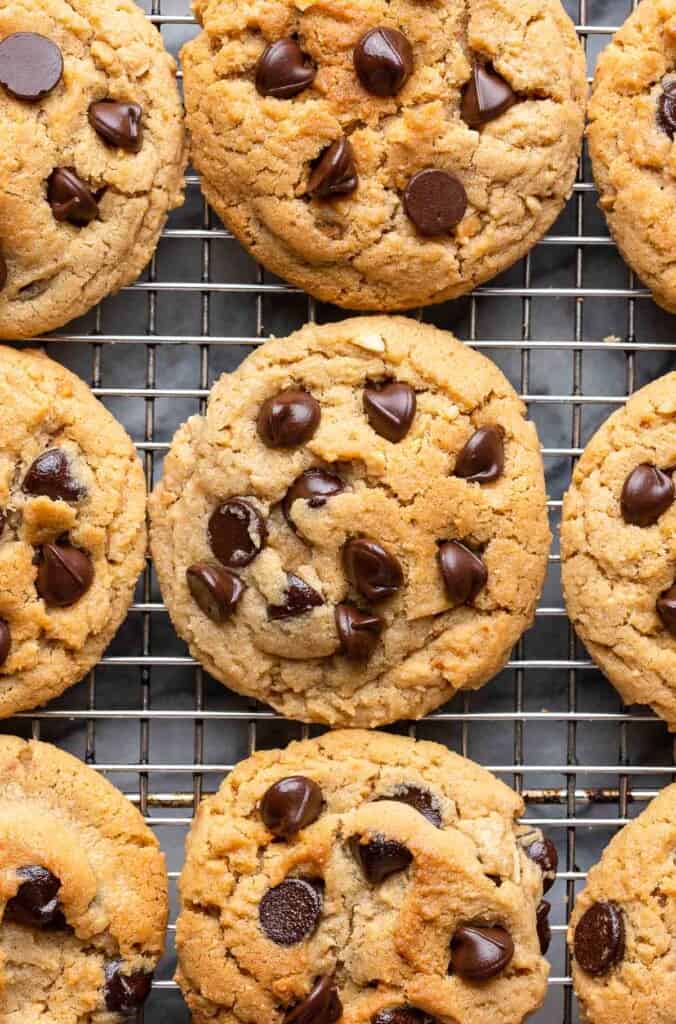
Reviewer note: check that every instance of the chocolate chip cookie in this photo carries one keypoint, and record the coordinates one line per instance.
(83, 892)
(366, 877)
(357, 528)
(632, 123)
(621, 933)
(92, 155)
(72, 528)
(618, 548)
(383, 156)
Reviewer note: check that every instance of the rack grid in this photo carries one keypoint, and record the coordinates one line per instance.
(574, 332)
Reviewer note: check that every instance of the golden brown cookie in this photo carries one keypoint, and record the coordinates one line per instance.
(365, 878)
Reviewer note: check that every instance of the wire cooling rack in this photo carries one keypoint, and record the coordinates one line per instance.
(574, 333)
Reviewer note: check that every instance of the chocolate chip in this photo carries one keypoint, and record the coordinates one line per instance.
(299, 598)
(390, 409)
(125, 993)
(335, 172)
(315, 486)
(647, 494)
(69, 197)
(485, 97)
(3, 272)
(479, 952)
(358, 632)
(3, 520)
(283, 70)
(118, 124)
(65, 574)
(215, 589)
(383, 60)
(435, 201)
(5, 641)
(420, 800)
(543, 852)
(379, 857)
(290, 805)
(402, 1015)
(237, 533)
(30, 65)
(464, 572)
(322, 1006)
(36, 901)
(543, 929)
(372, 570)
(51, 475)
(599, 938)
(482, 460)
(666, 609)
(288, 419)
(666, 109)
(290, 911)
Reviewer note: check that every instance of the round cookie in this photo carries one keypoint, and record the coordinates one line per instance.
(632, 115)
(357, 528)
(384, 156)
(621, 932)
(618, 548)
(366, 877)
(83, 892)
(72, 528)
(92, 156)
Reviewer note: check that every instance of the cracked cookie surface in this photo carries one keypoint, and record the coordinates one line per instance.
(72, 528)
(632, 113)
(618, 548)
(370, 242)
(59, 261)
(391, 554)
(83, 892)
(425, 895)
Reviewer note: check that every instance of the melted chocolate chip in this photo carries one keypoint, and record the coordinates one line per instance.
(420, 800)
(358, 631)
(283, 70)
(402, 1015)
(647, 494)
(30, 65)
(390, 409)
(51, 475)
(215, 589)
(5, 641)
(288, 419)
(666, 609)
(65, 574)
(485, 97)
(322, 1006)
(299, 598)
(464, 572)
(118, 124)
(479, 952)
(543, 928)
(380, 857)
(435, 201)
(372, 570)
(315, 486)
(335, 172)
(36, 902)
(125, 993)
(599, 938)
(383, 60)
(69, 197)
(290, 805)
(666, 109)
(482, 460)
(543, 852)
(290, 911)
(237, 533)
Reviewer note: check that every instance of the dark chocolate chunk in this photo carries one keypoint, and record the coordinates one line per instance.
(482, 460)
(479, 952)
(666, 609)
(380, 857)
(299, 598)
(543, 852)
(464, 572)
(543, 928)
(51, 475)
(372, 570)
(335, 172)
(288, 419)
(283, 70)
(358, 631)
(118, 124)
(65, 574)
(31, 65)
(290, 911)
(666, 108)
(290, 805)
(420, 799)
(36, 902)
(322, 1006)
(390, 409)
(5, 641)
(69, 197)
(237, 533)
(485, 97)
(383, 60)
(3, 271)
(315, 486)
(403, 1015)
(599, 938)
(215, 589)
(435, 201)
(647, 494)
(125, 993)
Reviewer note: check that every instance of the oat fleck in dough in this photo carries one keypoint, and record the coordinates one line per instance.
(382, 155)
(621, 932)
(366, 876)
(357, 528)
(632, 115)
(92, 157)
(72, 528)
(618, 548)
(83, 892)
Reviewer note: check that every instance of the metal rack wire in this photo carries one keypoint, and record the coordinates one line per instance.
(574, 333)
